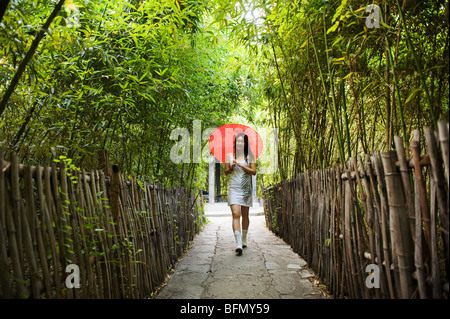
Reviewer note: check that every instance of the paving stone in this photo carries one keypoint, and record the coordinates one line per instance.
(267, 269)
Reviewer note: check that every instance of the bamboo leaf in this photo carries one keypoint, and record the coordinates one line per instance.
(348, 75)
(339, 10)
(333, 27)
(385, 25)
(360, 9)
(413, 93)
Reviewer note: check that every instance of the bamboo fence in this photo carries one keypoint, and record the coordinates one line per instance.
(388, 211)
(123, 235)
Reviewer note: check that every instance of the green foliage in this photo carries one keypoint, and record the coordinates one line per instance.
(121, 75)
(118, 75)
(69, 166)
(335, 88)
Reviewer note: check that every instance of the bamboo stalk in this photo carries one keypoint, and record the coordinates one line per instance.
(5, 278)
(157, 238)
(154, 261)
(420, 205)
(57, 214)
(28, 246)
(40, 237)
(341, 229)
(96, 212)
(308, 219)
(114, 193)
(371, 188)
(435, 272)
(73, 233)
(443, 139)
(349, 265)
(147, 247)
(383, 223)
(331, 234)
(368, 204)
(48, 212)
(65, 218)
(101, 256)
(16, 204)
(110, 287)
(438, 180)
(399, 224)
(358, 241)
(78, 238)
(79, 210)
(14, 243)
(29, 204)
(327, 228)
(335, 242)
(406, 182)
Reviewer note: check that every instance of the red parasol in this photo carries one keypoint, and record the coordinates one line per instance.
(221, 141)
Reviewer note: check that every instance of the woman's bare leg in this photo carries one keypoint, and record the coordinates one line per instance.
(245, 223)
(236, 211)
(245, 219)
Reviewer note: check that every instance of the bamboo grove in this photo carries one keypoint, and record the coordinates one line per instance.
(120, 75)
(336, 79)
(336, 88)
(80, 76)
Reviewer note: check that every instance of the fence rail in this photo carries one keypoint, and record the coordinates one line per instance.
(387, 211)
(122, 235)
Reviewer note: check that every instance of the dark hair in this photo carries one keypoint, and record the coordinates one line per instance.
(247, 150)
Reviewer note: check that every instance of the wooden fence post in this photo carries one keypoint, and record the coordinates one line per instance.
(386, 283)
(398, 220)
(421, 207)
(404, 171)
(349, 265)
(438, 185)
(437, 177)
(5, 280)
(115, 189)
(14, 229)
(308, 217)
(443, 139)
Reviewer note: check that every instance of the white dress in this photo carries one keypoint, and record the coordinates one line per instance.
(240, 185)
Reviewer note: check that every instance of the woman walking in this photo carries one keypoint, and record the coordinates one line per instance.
(240, 165)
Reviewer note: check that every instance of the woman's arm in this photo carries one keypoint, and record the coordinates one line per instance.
(248, 169)
(228, 167)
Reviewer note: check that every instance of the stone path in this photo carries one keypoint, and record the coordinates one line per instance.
(267, 269)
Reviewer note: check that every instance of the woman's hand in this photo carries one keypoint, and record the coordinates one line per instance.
(251, 169)
(229, 166)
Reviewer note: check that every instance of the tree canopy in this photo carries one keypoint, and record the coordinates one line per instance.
(121, 75)
(116, 75)
(339, 83)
